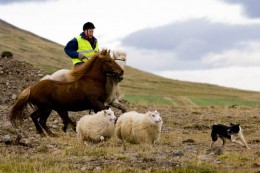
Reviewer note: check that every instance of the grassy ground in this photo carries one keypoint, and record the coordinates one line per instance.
(146, 88)
(182, 128)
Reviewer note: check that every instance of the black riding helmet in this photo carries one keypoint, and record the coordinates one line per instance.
(88, 25)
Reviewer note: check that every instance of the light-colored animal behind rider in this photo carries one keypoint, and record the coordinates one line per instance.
(112, 85)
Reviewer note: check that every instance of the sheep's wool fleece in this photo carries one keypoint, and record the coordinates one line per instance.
(137, 128)
(92, 127)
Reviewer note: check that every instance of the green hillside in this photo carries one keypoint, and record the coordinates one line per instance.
(137, 87)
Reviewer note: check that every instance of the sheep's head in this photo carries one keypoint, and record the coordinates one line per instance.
(109, 114)
(154, 116)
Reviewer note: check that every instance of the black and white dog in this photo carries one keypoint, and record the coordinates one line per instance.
(232, 132)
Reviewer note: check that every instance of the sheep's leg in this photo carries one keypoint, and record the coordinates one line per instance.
(124, 146)
(102, 138)
(102, 141)
(80, 137)
(85, 143)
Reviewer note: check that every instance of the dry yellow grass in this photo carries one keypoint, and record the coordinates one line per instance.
(183, 127)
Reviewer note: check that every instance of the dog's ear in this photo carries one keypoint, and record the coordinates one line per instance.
(231, 124)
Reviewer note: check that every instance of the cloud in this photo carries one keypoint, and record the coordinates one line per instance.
(195, 42)
(247, 55)
(251, 7)
(234, 77)
(20, 1)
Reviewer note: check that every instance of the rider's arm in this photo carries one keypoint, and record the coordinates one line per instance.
(71, 48)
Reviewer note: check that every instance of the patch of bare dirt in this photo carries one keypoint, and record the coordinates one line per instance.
(14, 77)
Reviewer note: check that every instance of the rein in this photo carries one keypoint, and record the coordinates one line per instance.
(119, 59)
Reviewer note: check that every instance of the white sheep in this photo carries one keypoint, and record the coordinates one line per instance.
(138, 128)
(97, 127)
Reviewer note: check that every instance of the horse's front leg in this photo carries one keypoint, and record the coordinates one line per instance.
(117, 105)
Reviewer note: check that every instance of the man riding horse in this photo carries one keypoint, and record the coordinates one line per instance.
(81, 47)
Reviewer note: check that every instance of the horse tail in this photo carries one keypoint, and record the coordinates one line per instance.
(17, 111)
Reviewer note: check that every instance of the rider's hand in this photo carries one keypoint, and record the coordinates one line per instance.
(81, 56)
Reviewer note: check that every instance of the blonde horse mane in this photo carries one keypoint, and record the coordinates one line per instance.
(76, 73)
(120, 55)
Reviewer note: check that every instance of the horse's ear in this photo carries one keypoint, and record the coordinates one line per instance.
(103, 52)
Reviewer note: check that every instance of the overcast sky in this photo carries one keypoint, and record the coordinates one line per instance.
(209, 41)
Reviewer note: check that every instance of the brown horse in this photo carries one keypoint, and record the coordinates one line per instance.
(86, 90)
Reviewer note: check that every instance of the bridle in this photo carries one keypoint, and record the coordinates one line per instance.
(117, 59)
(115, 76)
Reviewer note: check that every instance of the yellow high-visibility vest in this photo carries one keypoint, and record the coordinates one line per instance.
(85, 48)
